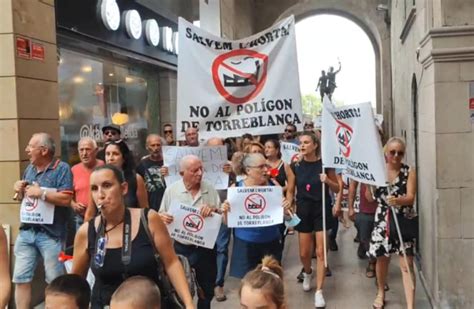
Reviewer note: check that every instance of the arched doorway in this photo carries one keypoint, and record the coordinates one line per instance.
(365, 15)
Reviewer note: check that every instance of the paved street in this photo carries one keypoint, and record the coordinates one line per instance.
(347, 288)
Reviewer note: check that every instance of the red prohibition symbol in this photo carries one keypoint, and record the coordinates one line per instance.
(240, 75)
(255, 203)
(31, 203)
(193, 223)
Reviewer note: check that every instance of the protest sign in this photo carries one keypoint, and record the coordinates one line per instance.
(37, 211)
(289, 152)
(227, 88)
(213, 159)
(350, 141)
(255, 206)
(189, 227)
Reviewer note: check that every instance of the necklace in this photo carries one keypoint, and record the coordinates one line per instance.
(108, 230)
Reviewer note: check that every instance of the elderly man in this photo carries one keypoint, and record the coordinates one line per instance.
(45, 240)
(81, 172)
(152, 171)
(192, 137)
(110, 132)
(193, 191)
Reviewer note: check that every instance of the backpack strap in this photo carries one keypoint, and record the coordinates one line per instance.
(144, 222)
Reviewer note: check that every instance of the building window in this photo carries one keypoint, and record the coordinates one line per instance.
(95, 91)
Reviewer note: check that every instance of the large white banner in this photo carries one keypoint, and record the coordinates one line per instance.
(350, 141)
(228, 88)
(213, 159)
(255, 206)
(189, 227)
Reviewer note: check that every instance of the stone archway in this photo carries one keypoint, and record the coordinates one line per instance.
(364, 14)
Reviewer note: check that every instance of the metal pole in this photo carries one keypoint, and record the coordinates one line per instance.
(324, 224)
(402, 245)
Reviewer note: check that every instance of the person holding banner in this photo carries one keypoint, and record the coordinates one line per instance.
(400, 194)
(251, 244)
(192, 190)
(46, 192)
(119, 155)
(102, 242)
(310, 176)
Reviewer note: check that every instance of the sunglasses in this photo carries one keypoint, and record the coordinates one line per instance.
(113, 132)
(168, 131)
(289, 131)
(398, 153)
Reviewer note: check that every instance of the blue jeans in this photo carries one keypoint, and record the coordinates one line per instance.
(29, 245)
(222, 247)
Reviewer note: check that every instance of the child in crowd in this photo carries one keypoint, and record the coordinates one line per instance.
(68, 292)
(136, 292)
(263, 287)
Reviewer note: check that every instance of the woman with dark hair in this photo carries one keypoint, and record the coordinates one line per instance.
(119, 155)
(400, 194)
(280, 172)
(310, 176)
(115, 244)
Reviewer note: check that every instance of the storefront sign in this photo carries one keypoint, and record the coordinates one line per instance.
(152, 32)
(37, 51)
(133, 24)
(110, 14)
(255, 206)
(189, 227)
(213, 159)
(23, 48)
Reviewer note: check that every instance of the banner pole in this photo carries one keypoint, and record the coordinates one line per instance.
(402, 244)
(324, 223)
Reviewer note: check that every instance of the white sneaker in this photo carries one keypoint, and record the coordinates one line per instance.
(307, 280)
(319, 299)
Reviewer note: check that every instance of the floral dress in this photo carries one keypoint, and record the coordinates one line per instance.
(382, 243)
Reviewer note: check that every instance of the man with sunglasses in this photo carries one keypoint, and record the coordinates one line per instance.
(290, 134)
(110, 132)
(168, 134)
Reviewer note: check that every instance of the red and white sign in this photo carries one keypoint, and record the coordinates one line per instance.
(190, 228)
(228, 88)
(289, 152)
(255, 206)
(23, 48)
(37, 51)
(37, 211)
(350, 141)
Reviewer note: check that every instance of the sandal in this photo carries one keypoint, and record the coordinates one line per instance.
(370, 271)
(379, 302)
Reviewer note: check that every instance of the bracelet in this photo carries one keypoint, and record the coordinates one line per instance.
(43, 195)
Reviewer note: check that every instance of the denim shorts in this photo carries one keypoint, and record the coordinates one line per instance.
(29, 246)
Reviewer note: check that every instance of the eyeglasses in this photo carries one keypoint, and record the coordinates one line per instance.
(261, 166)
(395, 152)
(308, 126)
(168, 131)
(289, 131)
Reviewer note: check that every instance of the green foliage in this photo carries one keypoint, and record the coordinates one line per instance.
(311, 104)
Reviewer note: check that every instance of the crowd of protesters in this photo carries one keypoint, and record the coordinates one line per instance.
(107, 196)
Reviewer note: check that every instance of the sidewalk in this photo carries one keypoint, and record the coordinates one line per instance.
(347, 288)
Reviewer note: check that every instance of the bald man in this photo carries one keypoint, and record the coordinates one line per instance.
(136, 292)
(192, 137)
(193, 191)
(152, 171)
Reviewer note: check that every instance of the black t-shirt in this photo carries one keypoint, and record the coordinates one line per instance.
(308, 183)
(154, 181)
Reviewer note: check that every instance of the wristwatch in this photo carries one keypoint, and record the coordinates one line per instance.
(43, 195)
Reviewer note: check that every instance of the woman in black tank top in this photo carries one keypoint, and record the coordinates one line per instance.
(115, 244)
(118, 154)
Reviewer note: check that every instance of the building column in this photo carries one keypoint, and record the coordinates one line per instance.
(29, 92)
